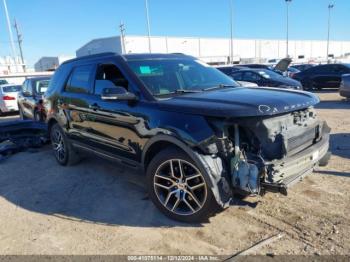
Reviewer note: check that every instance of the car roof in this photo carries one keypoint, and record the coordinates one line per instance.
(130, 57)
(251, 69)
(39, 78)
(230, 66)
(6, 85)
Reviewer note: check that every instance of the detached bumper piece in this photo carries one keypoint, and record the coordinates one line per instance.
(16, 136)
(284, 173)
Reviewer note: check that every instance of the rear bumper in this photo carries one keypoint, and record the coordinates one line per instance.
(291, 170)
(9, 107)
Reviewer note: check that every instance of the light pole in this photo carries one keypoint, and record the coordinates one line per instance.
(231, 31)
(148, 27)
(330, 7)
(10, 33)
(287, 38)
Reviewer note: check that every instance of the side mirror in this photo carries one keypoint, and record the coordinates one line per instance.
(117, 93)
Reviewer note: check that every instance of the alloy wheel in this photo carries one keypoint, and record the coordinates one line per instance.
(58, 145)
(180, 187)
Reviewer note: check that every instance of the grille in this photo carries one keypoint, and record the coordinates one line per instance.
(304, 140)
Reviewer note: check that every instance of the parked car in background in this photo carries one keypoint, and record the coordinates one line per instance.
(265, 77)
(322, 76)
(302, 67)
(228, 69)
(198, 136)
(292, 71)
(8, 97)
(256, 66)
(344, 89)
(30, 101)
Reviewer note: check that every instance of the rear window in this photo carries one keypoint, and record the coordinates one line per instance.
(41, 86)
(3, 82)
(11, 89)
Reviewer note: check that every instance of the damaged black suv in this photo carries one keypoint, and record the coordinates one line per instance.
(197, 135)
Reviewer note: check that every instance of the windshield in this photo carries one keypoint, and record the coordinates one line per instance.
(11, 89)
(166, 76)
(41, 86)
(3, 82)
(269, 74)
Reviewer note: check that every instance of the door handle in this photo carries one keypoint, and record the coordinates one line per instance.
(94, 106)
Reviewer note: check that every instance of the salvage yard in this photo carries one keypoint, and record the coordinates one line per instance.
(97, 207)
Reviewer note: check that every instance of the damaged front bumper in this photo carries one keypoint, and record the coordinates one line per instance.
(284, 173)
(249, 174)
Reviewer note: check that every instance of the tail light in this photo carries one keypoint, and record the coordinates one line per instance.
(8, 98)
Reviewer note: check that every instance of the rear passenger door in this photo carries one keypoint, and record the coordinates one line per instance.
(76, 101)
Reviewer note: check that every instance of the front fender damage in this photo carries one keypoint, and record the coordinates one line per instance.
(218, 177)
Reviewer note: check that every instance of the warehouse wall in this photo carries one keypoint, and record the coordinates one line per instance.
(216, 48)
(101, 45)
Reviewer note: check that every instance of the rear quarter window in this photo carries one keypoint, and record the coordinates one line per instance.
(59, 79)
(11, 89)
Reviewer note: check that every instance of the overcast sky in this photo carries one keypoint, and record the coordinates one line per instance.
(58, 27)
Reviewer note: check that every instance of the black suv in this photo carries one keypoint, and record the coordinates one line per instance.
(197, 135)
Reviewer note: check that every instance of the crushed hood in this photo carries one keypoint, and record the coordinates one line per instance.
(240, 102)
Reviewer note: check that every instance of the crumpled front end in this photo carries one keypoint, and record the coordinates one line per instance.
(269, 153)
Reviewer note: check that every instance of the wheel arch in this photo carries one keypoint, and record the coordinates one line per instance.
(50, 124)
(159, 143)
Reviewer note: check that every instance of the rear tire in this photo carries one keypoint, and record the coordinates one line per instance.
(64, 152)
(178, 188)
(21, 114)
(37, 116)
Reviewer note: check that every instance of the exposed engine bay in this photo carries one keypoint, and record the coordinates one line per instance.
(270, 153)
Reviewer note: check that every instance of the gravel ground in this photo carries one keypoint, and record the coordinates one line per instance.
(99, 208)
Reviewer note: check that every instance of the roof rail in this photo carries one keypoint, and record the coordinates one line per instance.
(91, 56)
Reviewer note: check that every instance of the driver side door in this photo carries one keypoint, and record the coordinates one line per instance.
(114, 124)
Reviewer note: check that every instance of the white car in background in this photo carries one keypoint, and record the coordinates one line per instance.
(8, 97)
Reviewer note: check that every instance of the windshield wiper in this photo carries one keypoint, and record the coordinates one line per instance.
(180, 91)
(218, 87)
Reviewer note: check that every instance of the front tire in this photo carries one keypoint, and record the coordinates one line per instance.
(64, 152)
(178, 187)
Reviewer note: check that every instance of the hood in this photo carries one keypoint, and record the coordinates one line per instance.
(240, 102)
(283, 64)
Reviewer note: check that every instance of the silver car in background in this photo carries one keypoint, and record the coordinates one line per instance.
(8, 98)
(344, 88)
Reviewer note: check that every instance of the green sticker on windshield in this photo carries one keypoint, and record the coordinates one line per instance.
(145, 70)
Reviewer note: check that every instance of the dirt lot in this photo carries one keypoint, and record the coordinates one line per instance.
(99, 208)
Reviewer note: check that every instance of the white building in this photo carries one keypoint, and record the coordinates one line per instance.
(50, 63)
(10, 65)
(217, 50)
